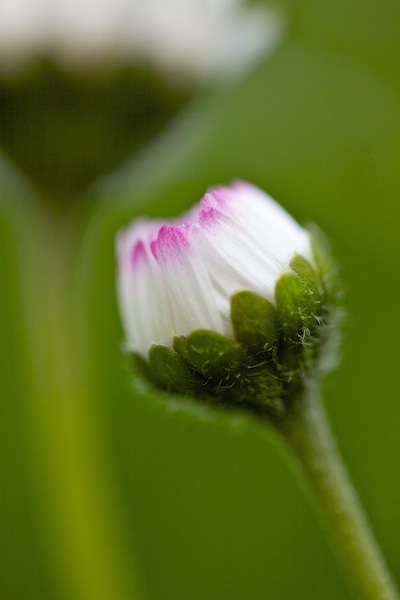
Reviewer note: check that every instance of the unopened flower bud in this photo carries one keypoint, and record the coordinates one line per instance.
(231, 302)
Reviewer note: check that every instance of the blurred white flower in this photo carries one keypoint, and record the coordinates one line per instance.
(177, 277)
(190, 40)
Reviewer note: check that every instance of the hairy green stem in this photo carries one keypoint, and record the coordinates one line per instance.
(74, 489)
(307, 432)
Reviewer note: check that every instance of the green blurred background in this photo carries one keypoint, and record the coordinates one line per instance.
(165, 504)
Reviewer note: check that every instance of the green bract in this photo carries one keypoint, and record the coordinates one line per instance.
(275, 348)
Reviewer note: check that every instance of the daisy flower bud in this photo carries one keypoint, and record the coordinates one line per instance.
(233, 302)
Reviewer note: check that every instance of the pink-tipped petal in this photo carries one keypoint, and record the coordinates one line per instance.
(172, 242)
(179, 276)
(210, 217)
(138, 255)
(181, 260)
(145, 303)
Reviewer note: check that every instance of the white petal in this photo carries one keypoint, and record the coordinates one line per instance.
(145, 303)
(178, 253)
(240, 261)
(275, 229)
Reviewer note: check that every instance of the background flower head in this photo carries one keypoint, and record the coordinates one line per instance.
(192, 41)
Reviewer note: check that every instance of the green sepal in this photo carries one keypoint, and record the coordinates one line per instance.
(180, 345)
(314, 296)
(214, 355)
(333, 314)
(291, 302)
(170, 371)
(306, 272)
(142, 366)
(261, 386)
(326, 267)
(254, 321)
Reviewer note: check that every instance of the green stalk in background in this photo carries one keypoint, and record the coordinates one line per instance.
(75, 489)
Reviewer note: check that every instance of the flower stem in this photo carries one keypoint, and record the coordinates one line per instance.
(76, 498)
(307, 432)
